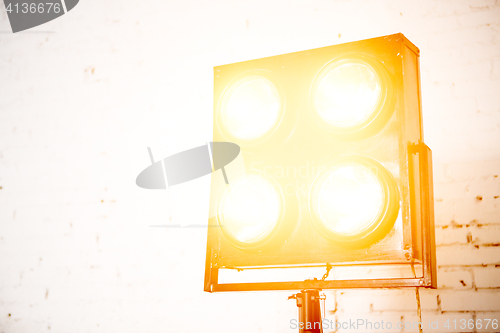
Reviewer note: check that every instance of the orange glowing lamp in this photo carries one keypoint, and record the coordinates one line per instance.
(336, 171)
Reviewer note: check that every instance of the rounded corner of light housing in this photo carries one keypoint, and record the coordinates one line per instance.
(379, 225)
(374, 114)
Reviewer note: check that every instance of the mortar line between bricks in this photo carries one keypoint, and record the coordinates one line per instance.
(469, 244)
(496, 265)
(381, 312)
(475, 245)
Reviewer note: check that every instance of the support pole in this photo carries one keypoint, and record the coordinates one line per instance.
(309, 311)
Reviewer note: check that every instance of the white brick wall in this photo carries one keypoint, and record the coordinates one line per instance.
(82, 96)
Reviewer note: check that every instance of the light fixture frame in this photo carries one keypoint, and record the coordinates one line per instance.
(414, 156)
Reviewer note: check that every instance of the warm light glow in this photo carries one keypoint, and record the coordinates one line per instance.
(250, 108)
(347, 93)
(349, 200)
(336, 135)
(249, 210)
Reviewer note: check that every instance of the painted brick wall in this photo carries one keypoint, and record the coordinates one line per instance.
(82, 96)
(468, 258)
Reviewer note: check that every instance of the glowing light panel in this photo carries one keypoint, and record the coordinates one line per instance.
(250, 108)
(249, 210)
(349, 200)
(347, 93)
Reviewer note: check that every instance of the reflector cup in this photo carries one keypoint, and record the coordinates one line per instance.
(354, 201)
(250, 108)
(351, 97)
(249, 211)
(348, 93)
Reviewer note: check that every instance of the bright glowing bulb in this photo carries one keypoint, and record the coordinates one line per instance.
(349, 200)
(250, 108)
(249, 209)
(347, 93)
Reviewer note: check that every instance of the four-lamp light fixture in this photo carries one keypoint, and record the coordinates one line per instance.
(337, 173)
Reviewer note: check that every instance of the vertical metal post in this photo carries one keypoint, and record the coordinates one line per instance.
(309, 311)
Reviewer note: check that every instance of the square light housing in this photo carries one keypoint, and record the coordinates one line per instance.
(336, 171)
